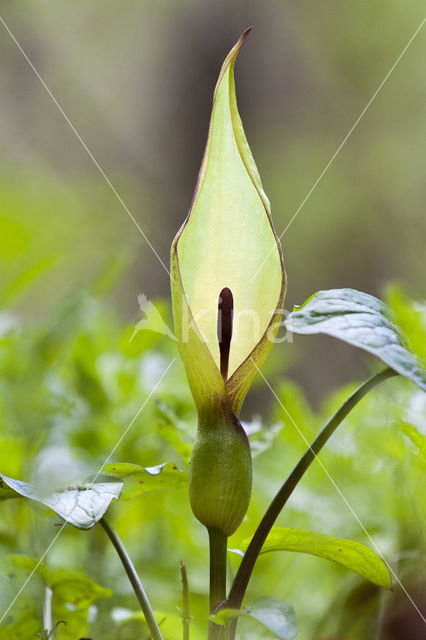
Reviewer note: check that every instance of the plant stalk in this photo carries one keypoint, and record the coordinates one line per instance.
(218, 544)
(246, 567)
(47, 610)
(134, 579)
(186, 618)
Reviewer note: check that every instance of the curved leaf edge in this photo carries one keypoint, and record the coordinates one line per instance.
(415, 371)
(283, 624)
(21, 489)
(373, 568)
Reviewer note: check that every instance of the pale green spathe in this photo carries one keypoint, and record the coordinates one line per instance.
(227, 237)
(223, 243)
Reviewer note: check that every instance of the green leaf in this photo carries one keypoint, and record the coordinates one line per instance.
(361, 320)
(223, 243)
(170, 623)
(276, 616)
(72, 595)
(6, 492)
(352, 555)
(81, 506)
(137, 479)
(410, 316)
(417, 438)
(21, 621)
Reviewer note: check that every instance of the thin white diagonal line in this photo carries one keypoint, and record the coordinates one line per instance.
(84, 145)
(345, 139)
(155, 387)
(344, 498)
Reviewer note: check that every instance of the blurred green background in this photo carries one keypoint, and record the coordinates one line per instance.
(136, 81)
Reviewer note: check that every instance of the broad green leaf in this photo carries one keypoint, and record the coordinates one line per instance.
(223, 243)
(275, 616)
(361, 320)
(81, 506)
(352, 555)
(72, 595)
(137, 479)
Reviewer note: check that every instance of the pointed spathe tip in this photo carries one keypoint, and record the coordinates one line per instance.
(241, 40)
(245, 33)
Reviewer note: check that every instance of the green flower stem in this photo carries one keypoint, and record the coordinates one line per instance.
(134, 579)
(243, 575)
(218, 544)
(186, 618)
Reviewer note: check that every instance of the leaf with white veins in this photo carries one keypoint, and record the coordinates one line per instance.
(359, 319)
(276, 616)
(81, 506)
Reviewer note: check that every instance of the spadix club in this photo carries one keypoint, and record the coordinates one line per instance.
(247, 327)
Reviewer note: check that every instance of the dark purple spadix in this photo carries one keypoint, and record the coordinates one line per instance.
(224, 328)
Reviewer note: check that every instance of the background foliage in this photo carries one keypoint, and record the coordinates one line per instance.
(71, 386)
(137, 84)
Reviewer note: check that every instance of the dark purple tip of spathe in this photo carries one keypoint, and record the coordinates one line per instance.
(224, 328)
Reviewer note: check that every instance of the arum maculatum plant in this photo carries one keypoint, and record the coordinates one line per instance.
(225, 317)
(228, 287)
